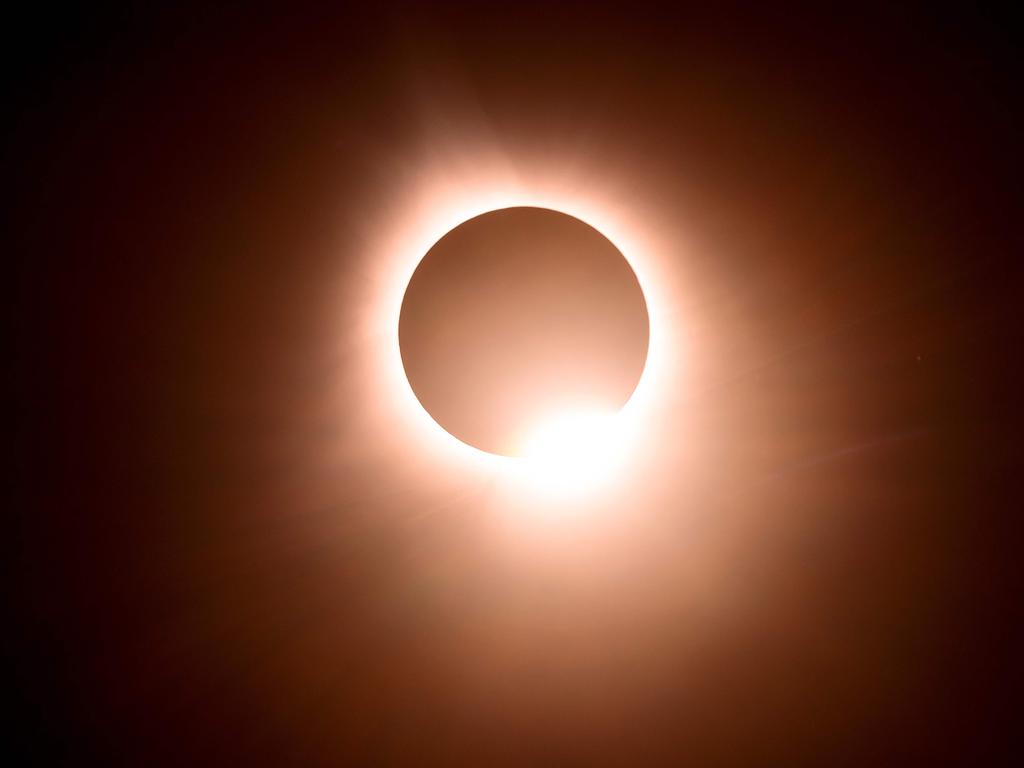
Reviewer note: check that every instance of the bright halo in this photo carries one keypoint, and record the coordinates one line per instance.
(437, 202)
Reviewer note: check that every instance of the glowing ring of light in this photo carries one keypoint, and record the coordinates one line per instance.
(437, 204)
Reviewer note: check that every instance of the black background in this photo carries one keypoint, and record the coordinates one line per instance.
(175, 183)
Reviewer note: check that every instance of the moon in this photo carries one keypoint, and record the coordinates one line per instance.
(519, 316)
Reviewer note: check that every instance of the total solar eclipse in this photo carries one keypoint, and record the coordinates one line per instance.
(519, 316)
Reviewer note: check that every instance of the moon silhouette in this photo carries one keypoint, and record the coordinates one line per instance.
(518, 315)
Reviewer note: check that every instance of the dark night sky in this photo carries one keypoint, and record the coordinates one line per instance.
(194, 582)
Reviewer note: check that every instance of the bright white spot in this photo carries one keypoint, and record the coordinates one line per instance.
(573, 452)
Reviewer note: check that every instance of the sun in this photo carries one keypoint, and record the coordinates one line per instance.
(573, 451)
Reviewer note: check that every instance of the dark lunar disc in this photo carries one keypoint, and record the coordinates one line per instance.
(516, 315)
